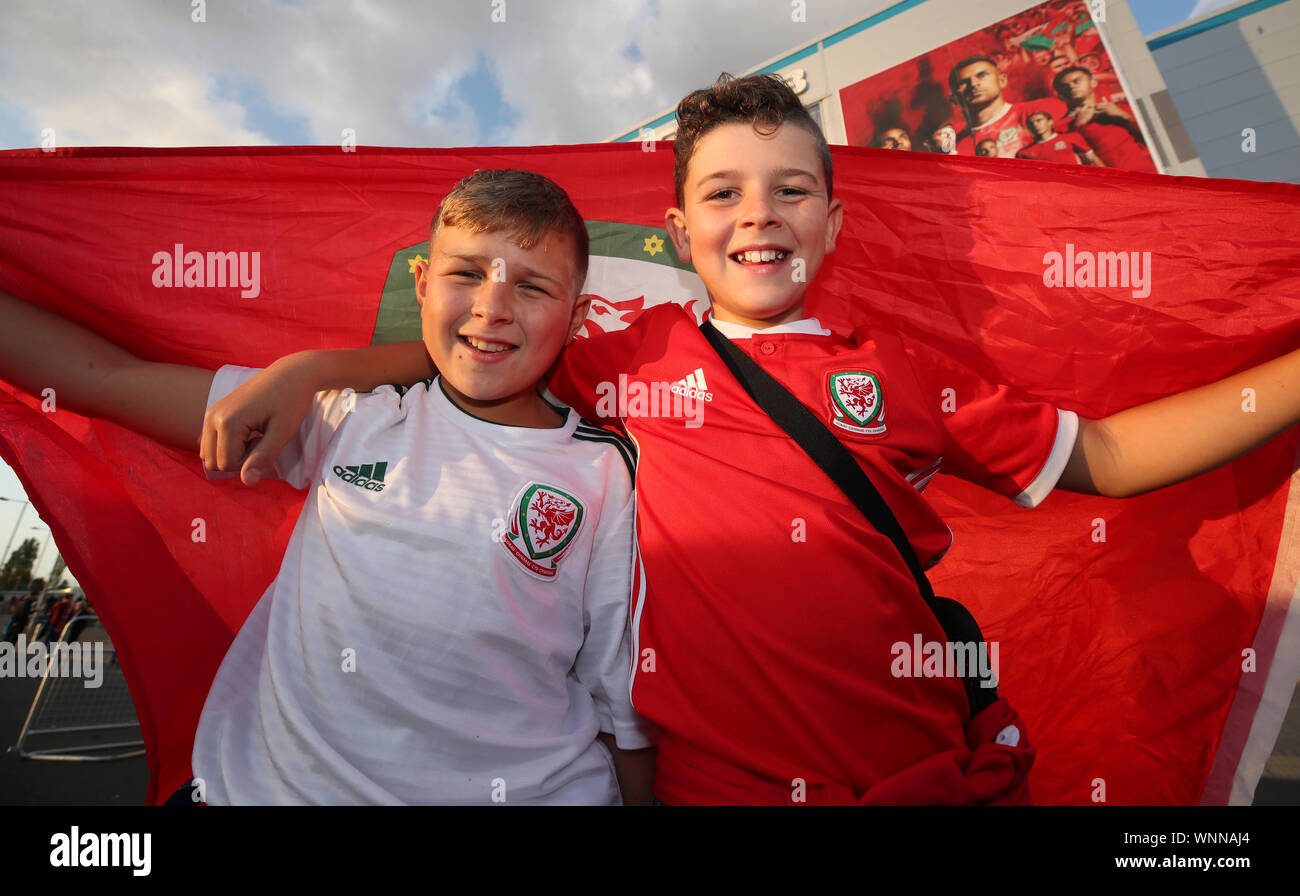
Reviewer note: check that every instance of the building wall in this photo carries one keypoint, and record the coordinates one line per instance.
(1236, 70)
(913, 27)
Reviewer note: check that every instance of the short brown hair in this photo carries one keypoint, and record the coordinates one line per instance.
(523, 203)
(765, 101)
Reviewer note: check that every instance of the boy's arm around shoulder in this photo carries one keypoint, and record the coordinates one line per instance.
(91, 376)
(1175, 438)
(270, 408)
(273, 404)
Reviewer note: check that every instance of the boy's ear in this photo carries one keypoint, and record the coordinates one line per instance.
(675, 223)
(834, 221)
(580, 309)
(421, 281)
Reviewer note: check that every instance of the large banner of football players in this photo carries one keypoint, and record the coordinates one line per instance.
(1038, 85)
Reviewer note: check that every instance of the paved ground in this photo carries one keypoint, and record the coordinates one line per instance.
(28, 782)
(1280, 785)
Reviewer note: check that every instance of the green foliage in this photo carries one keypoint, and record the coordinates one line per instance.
(17, 572)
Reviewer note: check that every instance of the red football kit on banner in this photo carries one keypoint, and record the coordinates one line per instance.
(1114, 144)
(1065, 148)
(768, 630)
(1010, 130)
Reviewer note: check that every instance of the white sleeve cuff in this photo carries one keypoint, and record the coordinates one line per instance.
(1067, 430)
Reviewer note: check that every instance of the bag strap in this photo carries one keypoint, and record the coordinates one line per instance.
(816, 439)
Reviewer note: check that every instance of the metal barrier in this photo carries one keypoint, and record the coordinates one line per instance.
(63, 705)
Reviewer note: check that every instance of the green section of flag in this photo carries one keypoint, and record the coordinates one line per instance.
(399, 313)
(614, 240)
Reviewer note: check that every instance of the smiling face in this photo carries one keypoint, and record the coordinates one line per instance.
(756, 221)
(495, 317)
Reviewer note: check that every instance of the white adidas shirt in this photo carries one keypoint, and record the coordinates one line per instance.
(424, 640)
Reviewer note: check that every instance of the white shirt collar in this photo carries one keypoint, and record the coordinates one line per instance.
(808, 325)
(1003, 110)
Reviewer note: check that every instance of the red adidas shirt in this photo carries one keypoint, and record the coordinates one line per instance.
(1114, 144)
(770, 604)
(1066, 148)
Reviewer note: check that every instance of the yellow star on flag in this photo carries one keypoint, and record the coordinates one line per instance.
(654, 245)
(414, 261)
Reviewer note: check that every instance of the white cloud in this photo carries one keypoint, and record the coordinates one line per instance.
(137, 72)
(88, 76)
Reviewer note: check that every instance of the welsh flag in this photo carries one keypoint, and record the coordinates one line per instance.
(1150, 644)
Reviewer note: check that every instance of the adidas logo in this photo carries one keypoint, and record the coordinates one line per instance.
(367, 476)
(693, 386)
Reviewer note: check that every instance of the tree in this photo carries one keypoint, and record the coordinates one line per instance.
(17, 571)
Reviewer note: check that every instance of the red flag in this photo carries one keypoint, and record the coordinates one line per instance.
(1149, 644)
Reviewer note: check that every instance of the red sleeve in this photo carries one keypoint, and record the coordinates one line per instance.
(1076, 140)
(585, 376)
(997, 437)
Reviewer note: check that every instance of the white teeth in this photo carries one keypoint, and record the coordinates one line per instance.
(759, 256)
(484, 346)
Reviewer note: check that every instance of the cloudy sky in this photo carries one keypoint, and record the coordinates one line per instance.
(431, 73)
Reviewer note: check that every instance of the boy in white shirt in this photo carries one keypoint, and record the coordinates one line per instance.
(450, 622)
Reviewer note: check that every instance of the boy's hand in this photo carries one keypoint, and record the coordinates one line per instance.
(247, 429)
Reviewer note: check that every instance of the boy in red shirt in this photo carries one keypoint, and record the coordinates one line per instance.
(770, 609)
